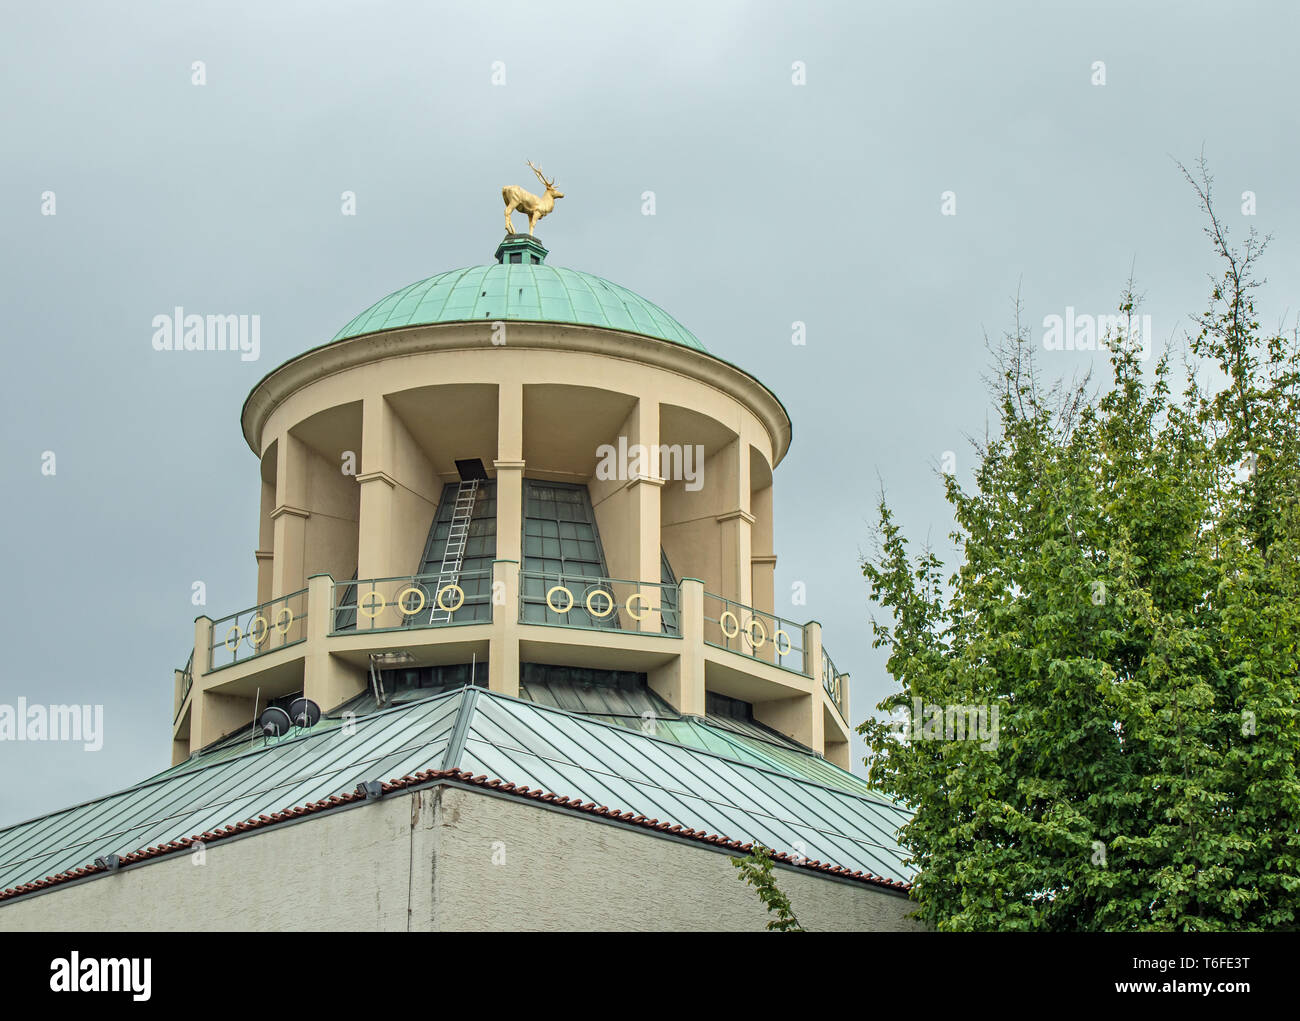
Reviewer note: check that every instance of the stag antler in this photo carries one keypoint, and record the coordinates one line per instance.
(540, 176)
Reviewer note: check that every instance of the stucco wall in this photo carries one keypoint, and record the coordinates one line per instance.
(562, 870)
(347, 869)
(453, 859)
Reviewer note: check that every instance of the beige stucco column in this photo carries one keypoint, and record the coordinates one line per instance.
(645, 495)
(628, 504)
(202, 662)
(327, 680)
(375, 509)
(812, 650)
(734, 538)
(503, 651)
(212, 715)
(763, 574)
(510, 509)
(645, 492)
(680, 682)
(265, 555)
(509, 465)
(374, 527)
(289, 518)
(762, 550)
(265, 574)
(763, 557)
(735, 525)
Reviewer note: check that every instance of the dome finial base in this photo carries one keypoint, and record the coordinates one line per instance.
(521, 248)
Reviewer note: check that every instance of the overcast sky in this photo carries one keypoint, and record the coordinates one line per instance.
(775, 202)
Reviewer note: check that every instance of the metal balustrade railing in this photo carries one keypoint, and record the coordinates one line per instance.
(611, 604)
(832, 681)
(556, 598)
(260, 629)
(187, 683)
(754, 633)
(410, 601)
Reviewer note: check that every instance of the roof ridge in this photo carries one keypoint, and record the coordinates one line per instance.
(459, 732)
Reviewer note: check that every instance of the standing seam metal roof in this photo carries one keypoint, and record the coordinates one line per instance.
(492, 736)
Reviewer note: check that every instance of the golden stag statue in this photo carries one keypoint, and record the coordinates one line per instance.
(528, 203)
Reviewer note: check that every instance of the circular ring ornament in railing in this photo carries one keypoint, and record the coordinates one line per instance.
(754, 622)
(255, 637)
(366, 604)
(735, 624)
(559, 588)
(609, 601)
(401, 601)
(234, 630)
(633, 613)
(776, 640)
(459, 602)
(283, 621)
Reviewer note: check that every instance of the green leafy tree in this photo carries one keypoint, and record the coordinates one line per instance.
(1128, 600)
(756, 870)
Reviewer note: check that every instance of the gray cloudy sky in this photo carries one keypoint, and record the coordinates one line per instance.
(775, 203)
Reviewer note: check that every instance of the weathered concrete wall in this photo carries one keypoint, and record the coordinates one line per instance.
(562, 871)
(348, 869)
(446, 858)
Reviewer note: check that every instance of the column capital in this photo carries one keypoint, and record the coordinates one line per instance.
(734, 515)
(285, 509)
(509, 466)
(380, 475)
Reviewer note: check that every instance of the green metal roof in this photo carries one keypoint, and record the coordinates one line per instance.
(643, 710)
(520, 293)
(738, 787)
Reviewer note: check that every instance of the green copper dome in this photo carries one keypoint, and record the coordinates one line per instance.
(522, 292)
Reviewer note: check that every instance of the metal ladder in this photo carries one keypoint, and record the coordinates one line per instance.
(454, 553)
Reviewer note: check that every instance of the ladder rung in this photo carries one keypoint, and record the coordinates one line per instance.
(453, 554)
